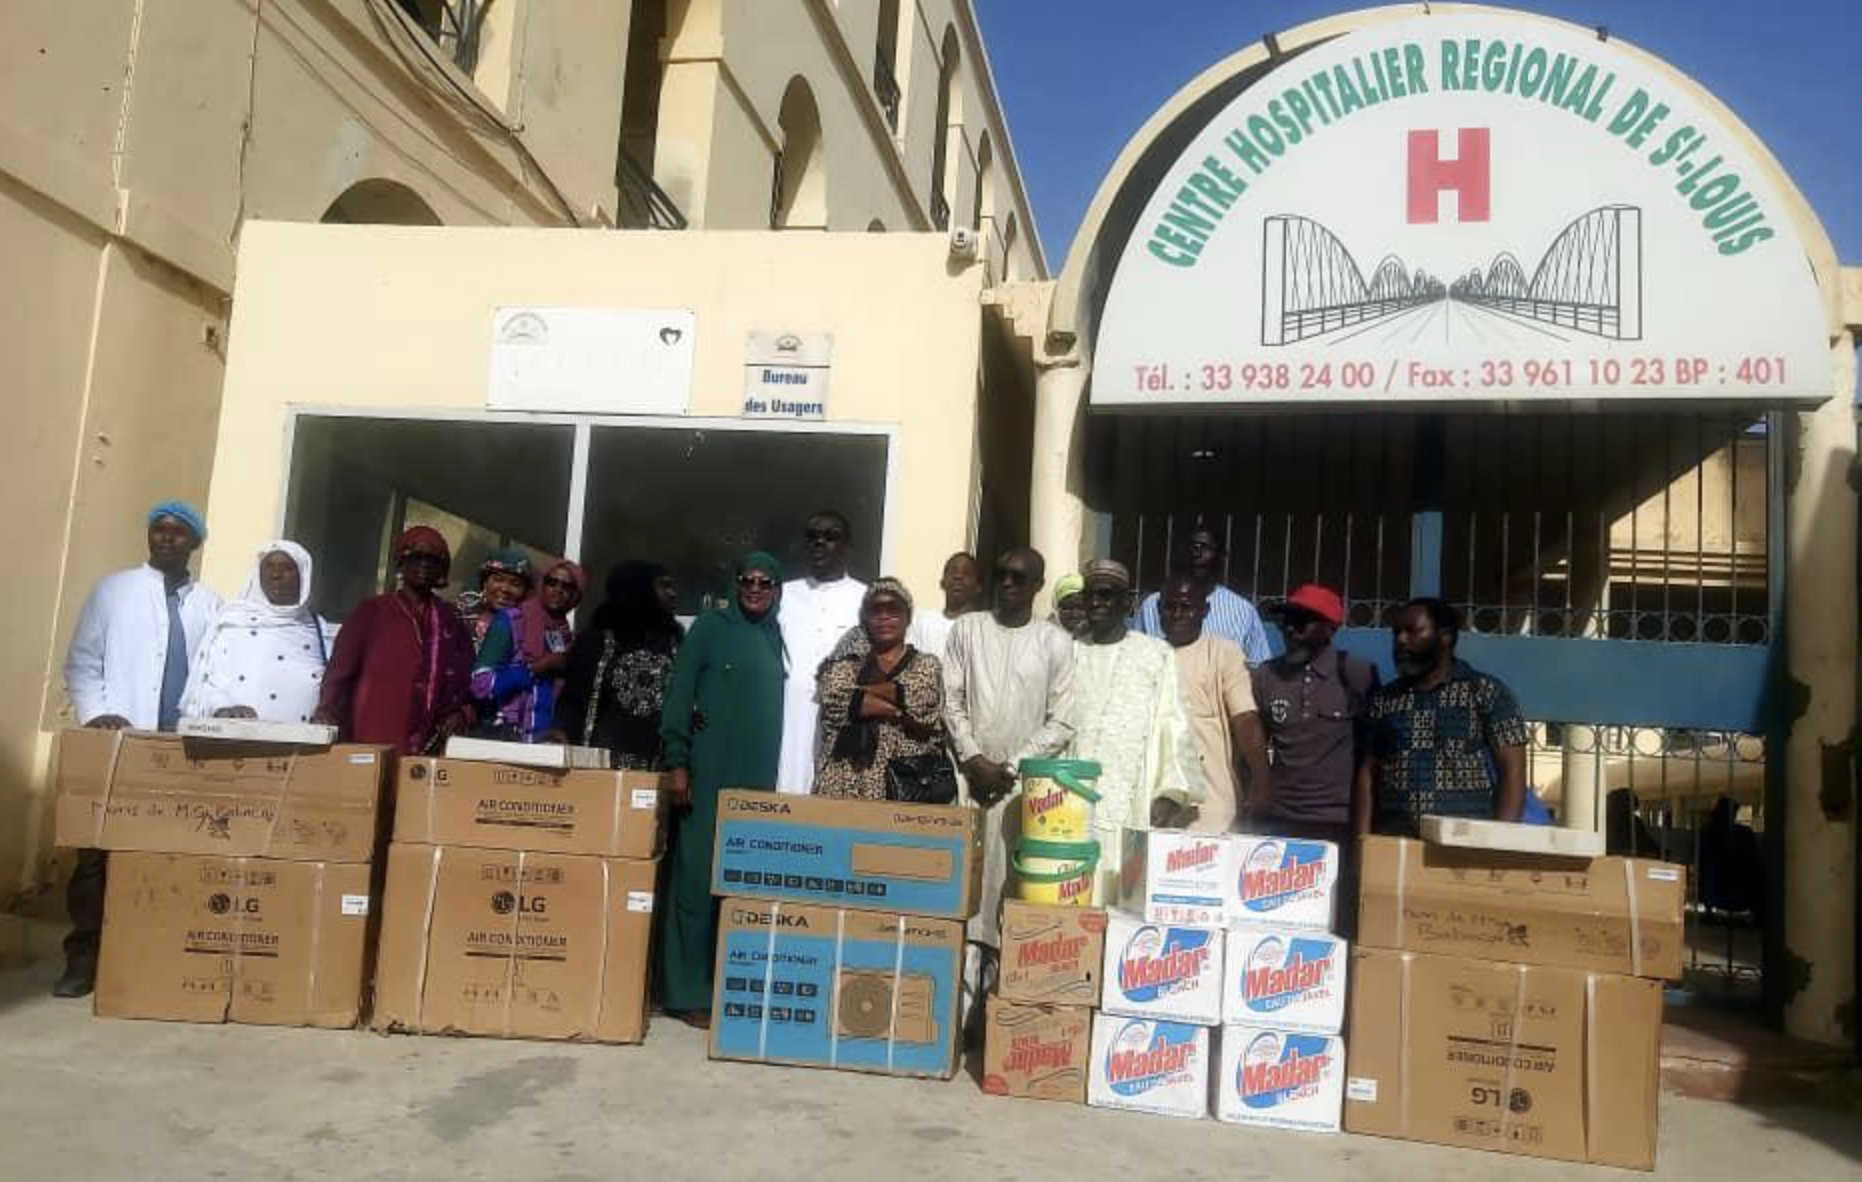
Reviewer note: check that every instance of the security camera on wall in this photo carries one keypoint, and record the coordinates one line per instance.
(963, 243)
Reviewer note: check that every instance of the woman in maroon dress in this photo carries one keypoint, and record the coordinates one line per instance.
(400, 673)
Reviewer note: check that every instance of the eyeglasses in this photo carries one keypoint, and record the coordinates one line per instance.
(1107, 594)
(823, 535)
(755, 582)
(426, 557)
(565, 584)
(1010, 574)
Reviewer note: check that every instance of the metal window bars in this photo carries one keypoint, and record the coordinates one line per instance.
(643, 204)
(454, 26)
(886, 89)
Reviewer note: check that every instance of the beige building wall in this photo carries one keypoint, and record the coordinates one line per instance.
(728, 65)
(137, 139)
(909, 363)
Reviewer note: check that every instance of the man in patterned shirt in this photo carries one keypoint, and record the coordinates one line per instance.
(1445, 738)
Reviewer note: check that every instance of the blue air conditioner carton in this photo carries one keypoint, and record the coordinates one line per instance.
(869, 855)
(832, 987)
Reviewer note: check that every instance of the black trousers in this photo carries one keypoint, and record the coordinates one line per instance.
(84, 903)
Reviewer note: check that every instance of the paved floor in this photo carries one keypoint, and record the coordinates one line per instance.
(82, 1097)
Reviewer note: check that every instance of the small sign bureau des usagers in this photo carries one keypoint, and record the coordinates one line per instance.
(786, 375)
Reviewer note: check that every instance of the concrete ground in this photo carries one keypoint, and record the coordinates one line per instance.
(82, 1097)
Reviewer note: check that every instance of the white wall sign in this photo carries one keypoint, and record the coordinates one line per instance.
(786, 375)
(1461, 208)
(634, 361)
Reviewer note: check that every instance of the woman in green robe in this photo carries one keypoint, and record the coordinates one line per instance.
(722, 728)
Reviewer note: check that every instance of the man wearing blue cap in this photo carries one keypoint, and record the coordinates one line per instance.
(127, 667)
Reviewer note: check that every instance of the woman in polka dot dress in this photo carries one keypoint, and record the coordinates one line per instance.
(265, 654)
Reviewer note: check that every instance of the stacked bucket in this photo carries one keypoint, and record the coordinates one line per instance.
(1220, 984)
(1056, 855)
(1041, 1011)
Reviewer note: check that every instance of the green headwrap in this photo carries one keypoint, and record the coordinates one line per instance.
(762, 563)
(1068, 586)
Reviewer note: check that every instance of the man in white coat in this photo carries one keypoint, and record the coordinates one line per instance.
(816, 611)
(127, 668)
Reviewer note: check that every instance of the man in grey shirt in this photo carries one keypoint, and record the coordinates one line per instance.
(1313, 700)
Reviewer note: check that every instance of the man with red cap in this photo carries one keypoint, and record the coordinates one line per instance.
(1313, 701)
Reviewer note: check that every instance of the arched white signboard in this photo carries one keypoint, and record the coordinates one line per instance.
(1462, 208)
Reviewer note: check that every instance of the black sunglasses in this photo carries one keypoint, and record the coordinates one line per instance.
(1107, 594)
(565, 584)
(755, 582)
(1017, 577)
(823, 535)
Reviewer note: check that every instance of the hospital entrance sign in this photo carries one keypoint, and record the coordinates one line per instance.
(1462, 209)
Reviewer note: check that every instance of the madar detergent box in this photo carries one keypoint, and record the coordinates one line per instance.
(1293, 883)
(1281, 1078)
(1156, 970)
(1051, 955)
(1145, 1066)
(1171, 876)
(1286, 978)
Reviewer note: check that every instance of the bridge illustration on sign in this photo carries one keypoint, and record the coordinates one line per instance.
(1589, 280)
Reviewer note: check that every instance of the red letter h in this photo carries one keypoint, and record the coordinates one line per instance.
(1467, 175)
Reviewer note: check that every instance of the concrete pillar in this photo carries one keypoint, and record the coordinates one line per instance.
(1056, 511)
(1820, 607)
(1578, 803)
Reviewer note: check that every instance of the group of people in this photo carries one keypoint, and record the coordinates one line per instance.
(823, 684)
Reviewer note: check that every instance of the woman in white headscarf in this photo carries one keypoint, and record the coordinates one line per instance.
(265, 654)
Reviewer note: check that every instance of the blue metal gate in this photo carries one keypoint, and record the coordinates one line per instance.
(1618, 570)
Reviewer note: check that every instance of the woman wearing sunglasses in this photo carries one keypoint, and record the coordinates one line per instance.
(722, 728)
(518, 673)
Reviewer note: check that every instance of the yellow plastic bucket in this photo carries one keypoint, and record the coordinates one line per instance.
(1059, 873)
(1058, 798)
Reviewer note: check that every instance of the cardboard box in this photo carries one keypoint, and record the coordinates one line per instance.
(1037, 1052)
(1051, 955)
(1285, 881)
(1613, 915)
(514, 944)
(1281, 1079)
(507, 807)
(1549, 1062)
(1144, 1066)
(1286, 979)
(1163, 971)
(192, 938)
(834, 987)
(1173, 876)
(1209, 879)
(869, 855)
(137, 790)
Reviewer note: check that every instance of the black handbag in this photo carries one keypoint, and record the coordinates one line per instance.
(921, 779)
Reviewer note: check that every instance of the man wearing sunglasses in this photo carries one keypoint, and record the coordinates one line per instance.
(817, 610)
(1008, 696)
(1313, 701)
